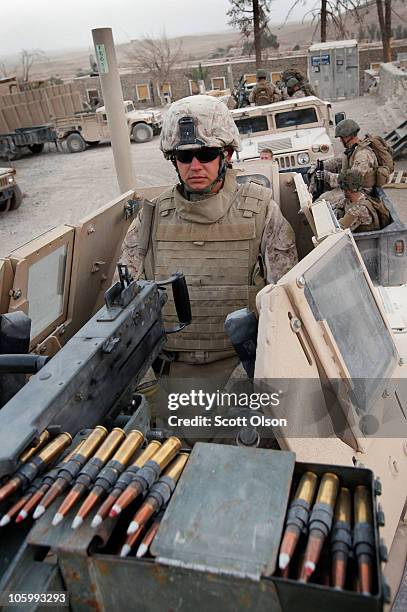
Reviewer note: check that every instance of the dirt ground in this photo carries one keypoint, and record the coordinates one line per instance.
(62, 188)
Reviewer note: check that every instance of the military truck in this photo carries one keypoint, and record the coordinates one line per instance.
(82, 129)
(297, 131)
(10, 193)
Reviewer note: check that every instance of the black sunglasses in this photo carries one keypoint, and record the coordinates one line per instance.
(204, 155)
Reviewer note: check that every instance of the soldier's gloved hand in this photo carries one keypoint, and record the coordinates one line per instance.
(312, 170)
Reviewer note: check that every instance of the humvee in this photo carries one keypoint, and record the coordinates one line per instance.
(323, 321)
(297, 131)
(81, 129)
(10, 193)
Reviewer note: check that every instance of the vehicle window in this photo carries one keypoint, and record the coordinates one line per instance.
(129, 108)
(104, 116)
(46, 281)
(337, 292)
(298, 116)
(252, 124)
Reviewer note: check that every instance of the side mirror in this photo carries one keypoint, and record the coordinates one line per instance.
(339, 117)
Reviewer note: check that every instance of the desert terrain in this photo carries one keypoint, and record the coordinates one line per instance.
(62, 188)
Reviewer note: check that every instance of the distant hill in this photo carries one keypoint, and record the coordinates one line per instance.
(68, 64)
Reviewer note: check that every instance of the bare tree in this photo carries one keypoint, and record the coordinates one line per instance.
(158, 57)
(384, 14)
(250, 17)
(332, 13)
(27, 59)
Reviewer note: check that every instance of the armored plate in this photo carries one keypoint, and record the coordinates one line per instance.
(227, 512)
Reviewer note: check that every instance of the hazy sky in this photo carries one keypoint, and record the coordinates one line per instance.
(67, 24)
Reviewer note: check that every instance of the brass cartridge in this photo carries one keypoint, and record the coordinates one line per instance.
(328, 489)
(167, 452)
(306, 487)
(31, 450)
(343, 507)
(57, 445)
(93, 441)
(363, 511)
(147, 453)
(128, 447)
(110, 444)
(174, 471)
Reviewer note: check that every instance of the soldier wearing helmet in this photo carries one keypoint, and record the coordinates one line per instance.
(357, 155)
(264, 92)
(356, 211)
(228, 239)
(294, 89)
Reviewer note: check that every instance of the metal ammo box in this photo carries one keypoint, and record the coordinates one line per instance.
(385, 251)
(216, 548)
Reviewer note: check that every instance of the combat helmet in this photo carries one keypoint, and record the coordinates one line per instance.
(261, 74)
(292, 82)
(198, 121)
(350, 180)
(346, 127)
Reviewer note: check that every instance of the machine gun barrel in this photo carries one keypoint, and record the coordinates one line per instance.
(319, 183)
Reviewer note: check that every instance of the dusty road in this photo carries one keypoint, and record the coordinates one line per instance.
(63, 188)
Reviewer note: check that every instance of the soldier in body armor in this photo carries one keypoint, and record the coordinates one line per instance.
(358, 155)
(294, 89)
(356, 211)
(228, 239)
(264, 92)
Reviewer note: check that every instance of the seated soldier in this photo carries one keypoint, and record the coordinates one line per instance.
(358, 211)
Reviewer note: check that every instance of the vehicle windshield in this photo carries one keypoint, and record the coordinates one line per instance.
(298, 116)
(248, 125)
(129, 108)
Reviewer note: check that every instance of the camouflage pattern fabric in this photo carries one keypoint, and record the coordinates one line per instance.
(278, 247)
(214, 124)
(361, 159)
(264, 93)
(356, 216)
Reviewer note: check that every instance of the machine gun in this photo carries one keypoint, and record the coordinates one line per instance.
(319, 183)
(95, 373)
(240, 94)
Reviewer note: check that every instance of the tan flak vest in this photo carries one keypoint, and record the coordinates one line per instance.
(215, 242)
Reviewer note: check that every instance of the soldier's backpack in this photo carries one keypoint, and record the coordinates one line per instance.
(384, 156)
(382, 211)
(263, 95)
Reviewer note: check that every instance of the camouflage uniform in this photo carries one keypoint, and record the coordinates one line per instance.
(229, 244)
(358, 217)
(277, 246)
(356, 211)
(360, 158)
(271, 91)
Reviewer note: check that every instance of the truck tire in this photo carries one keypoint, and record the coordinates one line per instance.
(142, 132)
(75, 143)
(36, 148)
(16, 198)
